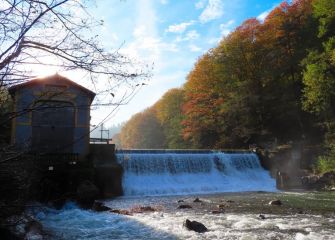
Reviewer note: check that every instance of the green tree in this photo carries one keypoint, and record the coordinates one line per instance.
(319, 79)
(169, 113)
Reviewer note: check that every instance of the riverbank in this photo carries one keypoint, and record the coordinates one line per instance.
(301, 202)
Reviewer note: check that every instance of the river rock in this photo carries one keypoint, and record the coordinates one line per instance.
(87, 192)
(300, 211)
(180, 201)
(99, 207)
(197, 200)
(142, 209)
(184, 206)
(275, 202)
(34, 231)
(195, 226)
(328, 178)
(261, 216)
(218, 211)
(121, 211)
(147, 209)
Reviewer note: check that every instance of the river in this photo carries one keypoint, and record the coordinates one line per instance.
(234, 192)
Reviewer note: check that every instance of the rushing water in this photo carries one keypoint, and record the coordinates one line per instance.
(155, 178)
(167, 223)
(171, 173)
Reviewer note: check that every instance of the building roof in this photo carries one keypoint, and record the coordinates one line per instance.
(45, 80)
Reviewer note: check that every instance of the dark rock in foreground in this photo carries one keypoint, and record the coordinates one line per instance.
(275, 202)
(197, 200)
(99, 207)
(34, 231)
(195, 226)
(261, 216)
(87, 192)
(184, 206)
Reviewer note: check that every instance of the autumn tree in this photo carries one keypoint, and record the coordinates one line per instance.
(241, 61)
(202, 104)
(143, 131)
(169, 113)
(286, 34)
(249, 88)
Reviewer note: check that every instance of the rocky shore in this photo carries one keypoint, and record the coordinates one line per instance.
(302, 202)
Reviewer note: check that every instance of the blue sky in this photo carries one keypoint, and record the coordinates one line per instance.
(172, 34)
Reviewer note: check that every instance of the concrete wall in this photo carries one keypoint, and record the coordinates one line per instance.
(108, 173)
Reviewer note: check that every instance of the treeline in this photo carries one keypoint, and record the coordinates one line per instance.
(266, 81)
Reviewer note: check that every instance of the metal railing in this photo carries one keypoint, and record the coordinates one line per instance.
(100, 141)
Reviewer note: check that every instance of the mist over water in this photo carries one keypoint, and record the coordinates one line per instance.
(178, 173)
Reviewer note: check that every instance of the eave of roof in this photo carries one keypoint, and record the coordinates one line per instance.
(56, 76)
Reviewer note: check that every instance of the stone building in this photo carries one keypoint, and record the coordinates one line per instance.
(53, 116)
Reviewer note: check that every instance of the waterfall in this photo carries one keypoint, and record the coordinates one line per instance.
(148, 173)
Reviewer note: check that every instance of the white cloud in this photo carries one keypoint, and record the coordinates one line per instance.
(153, 45)
(190, 35)
(4, 5)
(263, 15)
(164, 2)
(193, 34)
(139, 31)
(226, 28)
(200, 4)
(227, 24)
(194, 48)
(213, 10)
(214, 41)
(179, 28)
(225, 32)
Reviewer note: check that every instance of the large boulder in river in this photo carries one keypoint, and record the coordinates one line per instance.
(100, 207)
(184, 206)
(195, 226)
(275, 202)
(328, 178)
(87, 192)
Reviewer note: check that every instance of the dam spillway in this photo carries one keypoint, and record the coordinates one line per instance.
(163, 172)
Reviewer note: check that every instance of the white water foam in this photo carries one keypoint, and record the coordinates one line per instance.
(150, 174)
(74, 223)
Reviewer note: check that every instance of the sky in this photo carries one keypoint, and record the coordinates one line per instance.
(171, 35)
